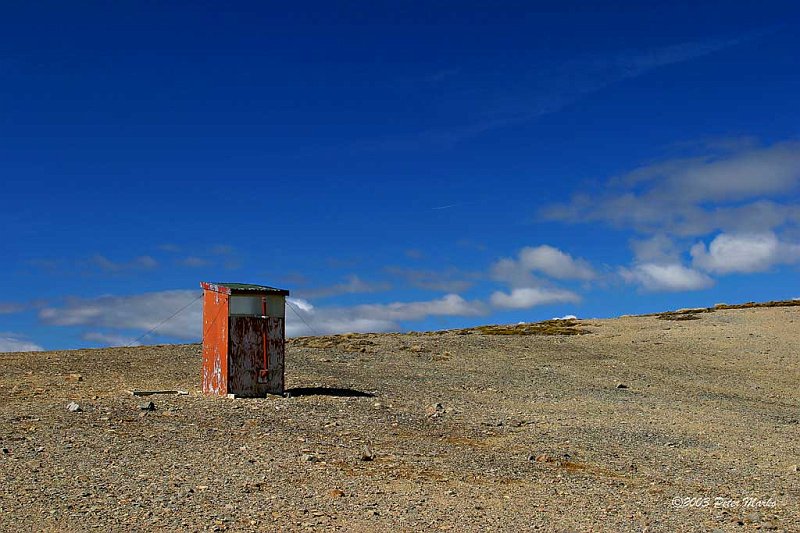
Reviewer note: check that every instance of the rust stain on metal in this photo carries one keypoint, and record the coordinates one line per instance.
(247, 337)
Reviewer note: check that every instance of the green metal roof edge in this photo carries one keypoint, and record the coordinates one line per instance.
(249, 287)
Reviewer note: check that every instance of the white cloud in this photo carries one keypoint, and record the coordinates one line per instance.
(353, 285)
(8, 308)
(194, 261)
(754, 252)
(12, 342)
(143, 262)
(656, 249)
(658, 277)
(143, 312)
(555, 263)
(543, 259)
(549, 87)
(138, 312)
(526, 297)
(565, 317)
(752, 189)
(110, 339)
(373, 317)
(725, 176)
(450, 280)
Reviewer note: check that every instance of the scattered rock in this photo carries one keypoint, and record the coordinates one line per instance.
(73, 407)
(435, 410)
(336, 493)
(74, 378)
(366, 453)
(149, 406)
(444, 356)
(622, 386)
(309, 458)
(794, 468)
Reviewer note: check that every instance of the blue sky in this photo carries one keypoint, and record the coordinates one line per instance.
(397, 166)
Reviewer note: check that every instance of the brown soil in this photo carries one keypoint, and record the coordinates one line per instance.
(640, 424)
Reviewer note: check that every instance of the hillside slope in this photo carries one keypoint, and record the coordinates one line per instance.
(462, 430)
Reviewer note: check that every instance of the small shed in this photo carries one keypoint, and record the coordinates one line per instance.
(244, 339)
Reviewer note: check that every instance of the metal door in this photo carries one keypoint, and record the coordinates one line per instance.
(255, 358)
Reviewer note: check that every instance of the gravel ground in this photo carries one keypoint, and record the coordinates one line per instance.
(643, 424)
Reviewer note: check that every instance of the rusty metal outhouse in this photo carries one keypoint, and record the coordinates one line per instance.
(244, 338)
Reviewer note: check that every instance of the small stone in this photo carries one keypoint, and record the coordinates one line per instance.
(336, 493)
(73, 407)
(309, 458)
(74, 378)
(149, 406)
(416, 348)
(377, 405)
(434, 410)
(6, 451)
(753, 518)
(367, 453)
(622, 386)
(794, 468)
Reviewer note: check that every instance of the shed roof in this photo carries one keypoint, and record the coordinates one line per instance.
(242, 288)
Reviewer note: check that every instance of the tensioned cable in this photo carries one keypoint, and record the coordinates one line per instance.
(173, 315)
(291, 306)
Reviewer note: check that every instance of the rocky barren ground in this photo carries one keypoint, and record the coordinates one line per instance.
(679, 422)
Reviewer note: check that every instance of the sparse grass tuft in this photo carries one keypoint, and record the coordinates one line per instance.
(750, 305)
(678, 316)
(547, 327)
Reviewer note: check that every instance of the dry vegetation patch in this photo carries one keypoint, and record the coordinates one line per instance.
(546, 327)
